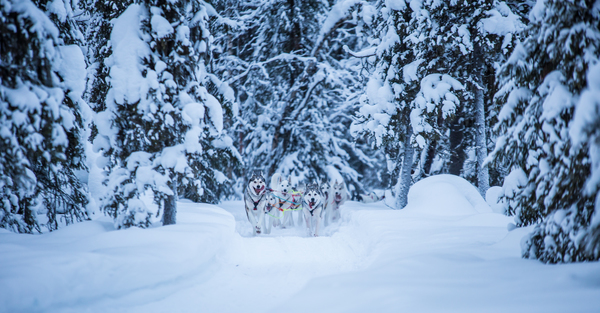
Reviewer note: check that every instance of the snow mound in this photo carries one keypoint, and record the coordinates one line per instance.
(493, 199)
(446, 195)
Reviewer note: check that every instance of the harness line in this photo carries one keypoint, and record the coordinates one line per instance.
(294, 193)
(283, 210)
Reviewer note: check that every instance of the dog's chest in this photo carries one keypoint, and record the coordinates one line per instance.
(254, 203)
(312, 210)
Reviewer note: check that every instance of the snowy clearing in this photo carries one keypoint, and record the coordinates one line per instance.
(443, 253)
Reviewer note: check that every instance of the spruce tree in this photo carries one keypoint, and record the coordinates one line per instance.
(407, 99)
(42, 71)
(160, 127)
(540, 85)
(428, 89)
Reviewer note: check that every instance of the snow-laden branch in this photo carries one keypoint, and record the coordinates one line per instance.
(369, 52)
(282, 56)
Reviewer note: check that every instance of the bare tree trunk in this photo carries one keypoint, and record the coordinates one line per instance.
(405, 178)
(429, 157)
(170, 212)
(457, 150)
(483, 174)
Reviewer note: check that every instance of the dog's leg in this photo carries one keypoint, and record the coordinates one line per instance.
(334, 214)
(300, 217)
(261, 218)
(285, 218)
(307, 218)
(277, 219)
(318, 222)
(267, 224)
(292, 224)
(252, 218)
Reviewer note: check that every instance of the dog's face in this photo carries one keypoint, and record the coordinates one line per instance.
(257, 183)
(270, 199)
(285, 187)
(338, 190)
(312, 195)
(325, 188)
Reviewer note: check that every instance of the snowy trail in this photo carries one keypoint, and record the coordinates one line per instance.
(256, 274)
(445, 252)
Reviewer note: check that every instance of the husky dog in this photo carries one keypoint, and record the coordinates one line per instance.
(285, 199)
(255, 201)
(274, 219)
(339, 197)
(370, 197)
(327, 199)
(312, 207)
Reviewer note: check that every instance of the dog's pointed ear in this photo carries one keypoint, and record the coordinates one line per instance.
(290, 179)
(261, 174)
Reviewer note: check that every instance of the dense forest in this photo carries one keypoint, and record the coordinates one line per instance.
(187, 98)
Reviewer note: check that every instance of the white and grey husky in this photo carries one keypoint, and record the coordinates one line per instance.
(285, 199)
(371, 197)
(340, 195)
(327, 199)
(274, 216)
(255, 201)
(312, 207)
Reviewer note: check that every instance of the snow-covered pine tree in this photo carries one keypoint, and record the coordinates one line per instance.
(385, 110)
(585, 130)
(160, 128)
(408, 97)
(540, 85)
(71, 72)
(97, 28)
(287, 66)
(475, 36)
(41, 84)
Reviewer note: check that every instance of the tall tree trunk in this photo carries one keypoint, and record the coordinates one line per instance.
(483, 174)
(429, 156)
(170, 212)
(457, 150)
(405, 178)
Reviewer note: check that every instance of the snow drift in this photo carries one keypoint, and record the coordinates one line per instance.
(446, 195)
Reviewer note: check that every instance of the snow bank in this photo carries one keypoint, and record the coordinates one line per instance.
(446, 195)
(79, 266)
(493, 199)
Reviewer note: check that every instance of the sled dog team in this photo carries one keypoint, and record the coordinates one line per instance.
(316, 204)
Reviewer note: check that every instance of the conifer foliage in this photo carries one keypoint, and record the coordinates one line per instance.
(540, 85)
(160, 128)
(41, 84)
(286, 62)
(428, 85)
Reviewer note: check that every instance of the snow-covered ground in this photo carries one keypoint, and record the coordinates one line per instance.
(446, 252)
